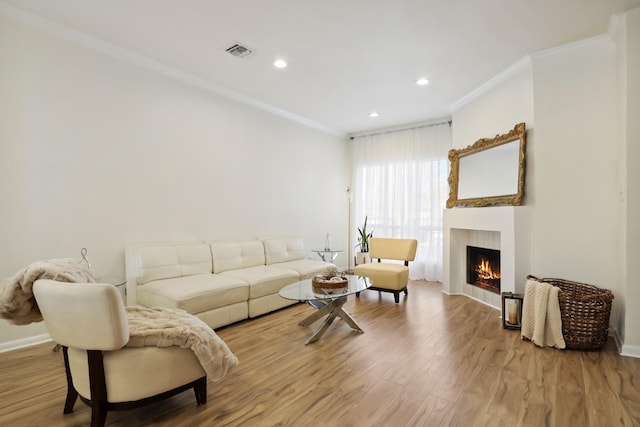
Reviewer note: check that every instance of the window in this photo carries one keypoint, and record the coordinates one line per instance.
(401, 185)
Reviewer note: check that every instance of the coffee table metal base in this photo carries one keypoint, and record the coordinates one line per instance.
(331, 309)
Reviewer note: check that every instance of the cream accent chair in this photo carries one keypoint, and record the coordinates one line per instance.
(89, 321)
(388, 276)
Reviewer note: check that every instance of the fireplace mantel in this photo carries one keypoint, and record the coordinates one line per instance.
(511, 226)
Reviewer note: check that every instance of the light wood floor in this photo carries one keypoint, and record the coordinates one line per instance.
(432, 360)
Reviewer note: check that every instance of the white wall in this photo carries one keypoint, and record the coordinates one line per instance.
(576, 209)
(495, 109)
(510, 93)
(569, 101)
(100, 153)
(631, 195)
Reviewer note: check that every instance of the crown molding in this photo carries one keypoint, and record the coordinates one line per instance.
(559, 50)
(528, 60)
(616, 25)
(97, 45)
(491, 84)
(400, 128)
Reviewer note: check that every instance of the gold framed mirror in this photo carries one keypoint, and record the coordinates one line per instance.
(489, 172)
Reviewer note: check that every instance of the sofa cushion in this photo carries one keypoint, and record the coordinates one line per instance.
(306, 268)
(263, 279)
(282, 249)
(194, 294)
(232, 255)
(165, 261)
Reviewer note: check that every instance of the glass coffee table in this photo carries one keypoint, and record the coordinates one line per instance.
(328, 305)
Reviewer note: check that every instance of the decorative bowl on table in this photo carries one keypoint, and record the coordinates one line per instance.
(329, 283)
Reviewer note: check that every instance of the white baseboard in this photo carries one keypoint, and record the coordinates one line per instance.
(623, 350)
(24, 342)
(630, 351)
(471, 297)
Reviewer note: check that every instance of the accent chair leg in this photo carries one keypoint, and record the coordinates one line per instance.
(357, 294)
(98, 414)
(72, 394)
(98, 387)
(200, 390)
(396, 296)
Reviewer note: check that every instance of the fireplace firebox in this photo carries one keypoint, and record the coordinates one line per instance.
(483, 268)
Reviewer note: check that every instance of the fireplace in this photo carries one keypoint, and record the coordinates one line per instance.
(483, 268)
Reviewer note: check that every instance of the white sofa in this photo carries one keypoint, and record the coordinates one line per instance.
(221, 282)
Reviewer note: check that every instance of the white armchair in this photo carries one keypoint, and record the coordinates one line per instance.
(89, 321)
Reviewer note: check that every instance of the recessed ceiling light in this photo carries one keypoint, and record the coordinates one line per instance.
(374, 114)
(422, 81)
(280, 63)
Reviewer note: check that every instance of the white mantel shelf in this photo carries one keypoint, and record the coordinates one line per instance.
(512, 228)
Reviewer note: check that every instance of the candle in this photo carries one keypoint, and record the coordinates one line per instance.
(513, 313)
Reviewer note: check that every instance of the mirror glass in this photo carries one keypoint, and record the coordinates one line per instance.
(489, 172)
(492, 172)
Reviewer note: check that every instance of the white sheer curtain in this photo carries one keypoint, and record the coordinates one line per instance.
(400, 184)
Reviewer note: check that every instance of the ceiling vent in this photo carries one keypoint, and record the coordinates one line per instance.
(238, 50)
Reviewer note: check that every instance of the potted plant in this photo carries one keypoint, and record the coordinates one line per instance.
(362, 257)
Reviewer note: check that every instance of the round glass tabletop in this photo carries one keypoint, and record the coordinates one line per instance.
(303, 291)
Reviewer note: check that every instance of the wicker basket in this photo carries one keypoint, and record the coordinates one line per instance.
(585, 311)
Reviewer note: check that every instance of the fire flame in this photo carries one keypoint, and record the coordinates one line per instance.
(485, 272)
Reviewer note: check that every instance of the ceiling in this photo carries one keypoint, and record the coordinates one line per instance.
(346, 58)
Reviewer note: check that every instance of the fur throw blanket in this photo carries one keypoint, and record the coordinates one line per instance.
(165, 327)
(17, 303)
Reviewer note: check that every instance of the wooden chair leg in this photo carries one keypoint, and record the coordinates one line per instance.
(396, 296)
(98, 414)
(200, 390)
(98, 386)
(72, 394)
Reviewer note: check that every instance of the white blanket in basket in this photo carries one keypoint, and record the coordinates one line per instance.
(541, 320)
